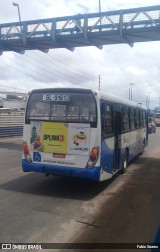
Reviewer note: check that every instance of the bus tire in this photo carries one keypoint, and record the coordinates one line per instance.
(124, 163)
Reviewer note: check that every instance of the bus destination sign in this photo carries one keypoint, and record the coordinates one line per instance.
(56, 97)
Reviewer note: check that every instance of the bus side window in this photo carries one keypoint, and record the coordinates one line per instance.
(131, 119)
(144, 118)
(141, 118)
(107, 120)
(136, 118)
(135, 121)
(125, 119)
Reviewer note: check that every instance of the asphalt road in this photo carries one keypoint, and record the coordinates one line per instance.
(39, 209)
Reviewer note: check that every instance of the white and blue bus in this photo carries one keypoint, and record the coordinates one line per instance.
(81, 133)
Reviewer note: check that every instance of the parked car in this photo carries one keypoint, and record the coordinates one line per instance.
(151, 125)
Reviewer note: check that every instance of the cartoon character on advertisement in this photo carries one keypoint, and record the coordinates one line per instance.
(79, 138)
(35, 142)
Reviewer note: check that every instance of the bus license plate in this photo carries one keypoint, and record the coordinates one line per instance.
(59, 155)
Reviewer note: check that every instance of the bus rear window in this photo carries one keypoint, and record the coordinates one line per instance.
(62, 107)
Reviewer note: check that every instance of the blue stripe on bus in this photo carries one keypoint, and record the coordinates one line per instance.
(107, 157)
(90, 173)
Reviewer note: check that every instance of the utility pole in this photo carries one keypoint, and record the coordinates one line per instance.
(100, 10)
(146, 101)
(19, 15)
(99, 82)
(16, 4)
(132, 84)
(149, 98)
(99, 6)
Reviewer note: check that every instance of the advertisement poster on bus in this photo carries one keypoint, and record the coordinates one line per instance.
(35, 138)
(54, 137)
(60, 138)
(49, 137)
(79, 135)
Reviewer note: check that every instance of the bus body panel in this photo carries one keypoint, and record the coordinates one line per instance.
(107, 155)
(66, 160)
(137, 139)
(73, 157)
(73, 160)
(49, 169)
(129, 143)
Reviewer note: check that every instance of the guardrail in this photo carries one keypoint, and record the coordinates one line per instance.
(11, 125)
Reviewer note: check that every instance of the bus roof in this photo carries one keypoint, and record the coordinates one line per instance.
(101, 94)
(62, 90)
(116, 99)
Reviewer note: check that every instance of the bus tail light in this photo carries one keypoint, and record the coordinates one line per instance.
(26, 151)
(25, 145)
(94, 151)
(93, 157)
(27, 155)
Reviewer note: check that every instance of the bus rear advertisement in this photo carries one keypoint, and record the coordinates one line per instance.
(81, 133)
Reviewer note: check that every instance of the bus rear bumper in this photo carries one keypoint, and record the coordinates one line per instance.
(91, 173)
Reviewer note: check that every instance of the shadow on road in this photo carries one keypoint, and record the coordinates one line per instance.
(72, 188)
(53, 186)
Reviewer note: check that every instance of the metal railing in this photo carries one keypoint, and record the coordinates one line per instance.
(94, 29)
(11, 125)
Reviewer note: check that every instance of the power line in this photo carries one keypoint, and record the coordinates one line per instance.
(44, 76)
(47, 71)
(19, 70)
(114, 89)
(66, 67)
(12, 87)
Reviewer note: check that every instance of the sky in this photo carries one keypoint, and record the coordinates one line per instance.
(117, 65)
